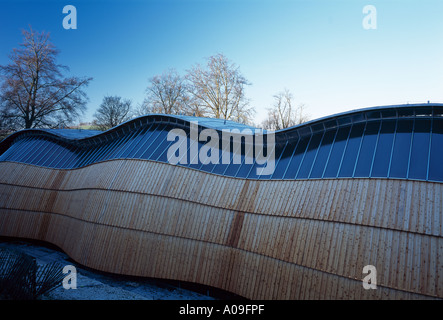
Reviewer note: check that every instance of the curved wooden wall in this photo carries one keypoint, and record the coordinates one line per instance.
(305, 239)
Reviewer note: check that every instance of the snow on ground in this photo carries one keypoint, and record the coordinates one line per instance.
(101, 286)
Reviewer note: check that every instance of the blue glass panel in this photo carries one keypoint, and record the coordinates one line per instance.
(98, 153)
(268, 166)
(252, 170)
(323, 154)
(72, 161)
(54, 155)
(158, 146)
(118, 150)
(163, 157)
(156, 140)
(244, 170)
(94, 154)
(5, 155)
(285, 158)
(81, 155)
(401, 150)
(67, 153)
(388, 113)
(264, 168)
(195, 158)
(18, 152)
(101, 152)
(337, 151)
(32, 145)
(112, 152)
(405, 112)
(53, 152)
(210, 166)
(87, 153)
(37, 151)
(352, 149)
(366, 154)
(146, 141)
(221, 167)
(135, 140)
(17, 149)
(308, 160)
(383, 151)
(29, 149)
(233, 169)
(105, 148)
(279, 151)
(181, 143)
(12, 153)
(39, 157)
(246, 166)
(62, 152)
(296, 159)
(436, 156)
(192, 152)
(255, 170)
(418, 167)
(404, 148)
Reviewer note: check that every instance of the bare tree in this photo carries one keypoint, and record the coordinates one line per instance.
(8, 120)
(34, 90)
(112, 112)
(284, 113)
(166, 93)
(219, 90)
(8, 123)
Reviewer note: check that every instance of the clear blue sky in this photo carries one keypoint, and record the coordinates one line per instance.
(317, 49)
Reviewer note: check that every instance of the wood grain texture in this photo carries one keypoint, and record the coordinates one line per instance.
(275, 239)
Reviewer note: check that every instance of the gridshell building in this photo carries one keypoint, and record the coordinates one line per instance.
(346, 191)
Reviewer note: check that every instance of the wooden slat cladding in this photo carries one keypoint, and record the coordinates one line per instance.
(235, 229)
(260, 239)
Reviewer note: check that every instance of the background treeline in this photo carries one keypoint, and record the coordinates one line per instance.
(36, 92)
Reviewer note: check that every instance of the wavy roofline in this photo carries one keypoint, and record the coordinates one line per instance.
(366, 109)
(319, 124)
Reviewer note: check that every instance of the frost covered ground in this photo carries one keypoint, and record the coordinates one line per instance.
(93, 285)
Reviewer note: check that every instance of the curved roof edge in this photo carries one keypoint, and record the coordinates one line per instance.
(324, 123)
(364, 110)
